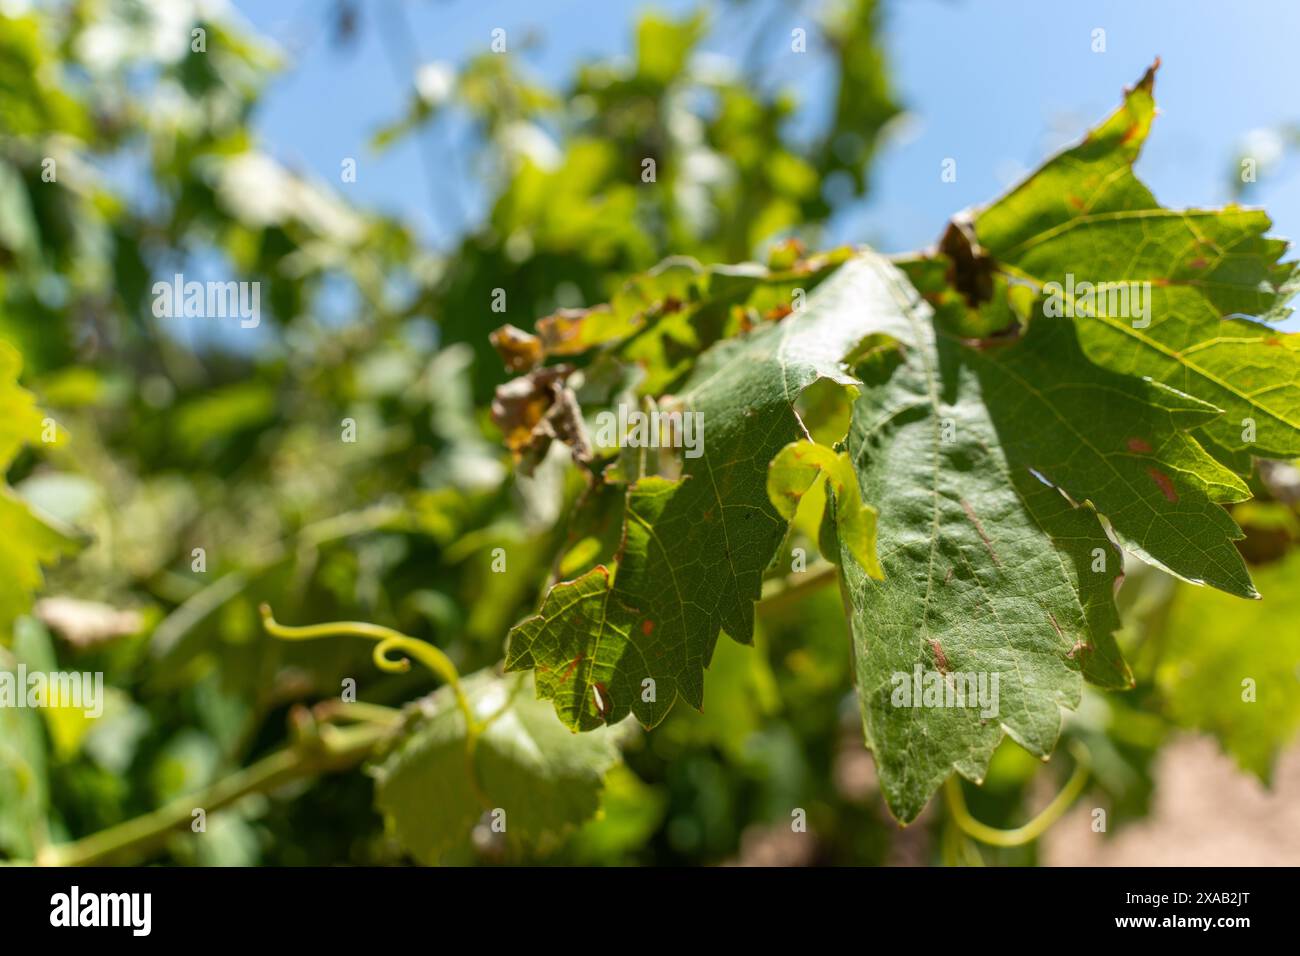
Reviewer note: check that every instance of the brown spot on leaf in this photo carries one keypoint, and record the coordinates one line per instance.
(1003, 336)
(974, 519)
(647, 627)
(1163, 482)
(573, 665)
(1139, 446)
(940, 658)
(1147, 83)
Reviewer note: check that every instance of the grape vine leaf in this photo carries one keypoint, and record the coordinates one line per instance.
(992, 470)
(545, 778)
(26, 541)
(694, 549)
(1215, 281)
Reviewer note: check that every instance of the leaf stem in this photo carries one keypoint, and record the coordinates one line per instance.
(1034, 828)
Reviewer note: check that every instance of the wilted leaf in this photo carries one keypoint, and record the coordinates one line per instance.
(520, 351)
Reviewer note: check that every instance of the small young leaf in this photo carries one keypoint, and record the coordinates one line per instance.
(793, 472)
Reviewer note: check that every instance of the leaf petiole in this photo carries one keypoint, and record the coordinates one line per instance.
(1034, 828)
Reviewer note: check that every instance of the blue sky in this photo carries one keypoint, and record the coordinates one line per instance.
(995, 84)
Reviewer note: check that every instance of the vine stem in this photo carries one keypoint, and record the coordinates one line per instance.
(1034, 828)
(334, 749)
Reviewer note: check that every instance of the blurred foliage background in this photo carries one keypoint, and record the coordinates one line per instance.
(233, 443)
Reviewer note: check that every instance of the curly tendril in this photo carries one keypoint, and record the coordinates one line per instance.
(395, 642)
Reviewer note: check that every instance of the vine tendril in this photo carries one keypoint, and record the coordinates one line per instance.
(391, 641)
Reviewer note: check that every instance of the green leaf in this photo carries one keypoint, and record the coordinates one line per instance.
(631, 813)
(545, 778)
(980, 462)
(1212, 645)
(1215, 280)
(695, 548)
(32, 101)
(793, 472)
(26, 542)
(663, 46)
(661, 320)
(1123, 444)
(24, 781)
